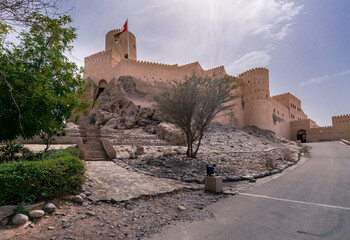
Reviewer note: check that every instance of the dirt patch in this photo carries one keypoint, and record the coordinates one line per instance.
(133, 219)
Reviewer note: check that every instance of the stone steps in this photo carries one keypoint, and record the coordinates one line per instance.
(94, 150)
(95, 146)
(96, 154)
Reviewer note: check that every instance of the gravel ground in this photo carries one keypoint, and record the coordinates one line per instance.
(236, 152)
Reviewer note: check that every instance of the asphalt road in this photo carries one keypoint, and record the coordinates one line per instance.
(311, 201)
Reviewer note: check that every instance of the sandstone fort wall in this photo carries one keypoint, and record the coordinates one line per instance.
(282, 113)
(342, 121)
(281, 119)
(256, 103)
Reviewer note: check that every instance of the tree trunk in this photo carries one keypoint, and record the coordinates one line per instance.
(199, 143)
(188, 153)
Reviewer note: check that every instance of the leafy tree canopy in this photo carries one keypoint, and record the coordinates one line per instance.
(39, 87)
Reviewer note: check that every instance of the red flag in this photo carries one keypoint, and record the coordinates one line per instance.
(123, 29)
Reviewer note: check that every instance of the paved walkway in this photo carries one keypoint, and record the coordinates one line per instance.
(109, 181)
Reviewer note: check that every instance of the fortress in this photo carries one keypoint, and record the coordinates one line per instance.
(281, 114)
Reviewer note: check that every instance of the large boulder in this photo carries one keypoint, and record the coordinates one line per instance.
(171, 133)
(102, 117)
(129, 121)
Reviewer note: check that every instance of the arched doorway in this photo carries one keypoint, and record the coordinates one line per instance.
(301, 135)
(101, 87)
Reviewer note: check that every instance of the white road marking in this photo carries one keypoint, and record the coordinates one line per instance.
(294, 201)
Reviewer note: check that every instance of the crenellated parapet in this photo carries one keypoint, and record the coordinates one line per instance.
(152, 64)
(255, 84)
(191, 68)
(97, 57)
(124, 45)
(113, 31)
(281, 95)
(324, 128)
(258, 70)
(192, 64)
(341, 121)
(346, 116)
(217, 71)
(301, 124)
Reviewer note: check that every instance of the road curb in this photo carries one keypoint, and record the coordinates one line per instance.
(345, 142)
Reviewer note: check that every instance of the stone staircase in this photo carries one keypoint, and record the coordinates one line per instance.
(92, 143)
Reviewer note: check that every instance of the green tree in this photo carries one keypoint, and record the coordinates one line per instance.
(39, 87)
(193, 103)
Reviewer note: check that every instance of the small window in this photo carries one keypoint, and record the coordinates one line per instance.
(126, 56)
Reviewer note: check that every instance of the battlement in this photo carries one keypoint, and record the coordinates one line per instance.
(190, 64)
(256, 78)
(117, 30)
(341, 120)
(282, 95)
(160, 65)
(96, 54)
(217, 70)
(194, 67)
(300, 121)
(346, 116)
(254, 71)
(324, 128)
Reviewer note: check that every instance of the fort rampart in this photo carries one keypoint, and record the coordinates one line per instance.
(282, 113)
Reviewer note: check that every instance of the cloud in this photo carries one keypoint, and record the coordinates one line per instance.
(272, 19)
(324, 78)
(314, 80)
(342, 73)
(181, 31)
(250, 60)
(213, 32)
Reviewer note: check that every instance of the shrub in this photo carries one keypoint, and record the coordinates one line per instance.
(58, 153)
(26, 181)
(12, 149)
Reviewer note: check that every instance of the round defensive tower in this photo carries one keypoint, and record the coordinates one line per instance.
(120, 44)
(256, 102)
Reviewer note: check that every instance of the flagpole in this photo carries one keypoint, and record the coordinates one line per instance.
(127, 35)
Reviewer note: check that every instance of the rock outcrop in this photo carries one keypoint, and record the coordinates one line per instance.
(115, 108)
(115, 111)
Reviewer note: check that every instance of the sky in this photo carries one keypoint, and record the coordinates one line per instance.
(304, 44)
